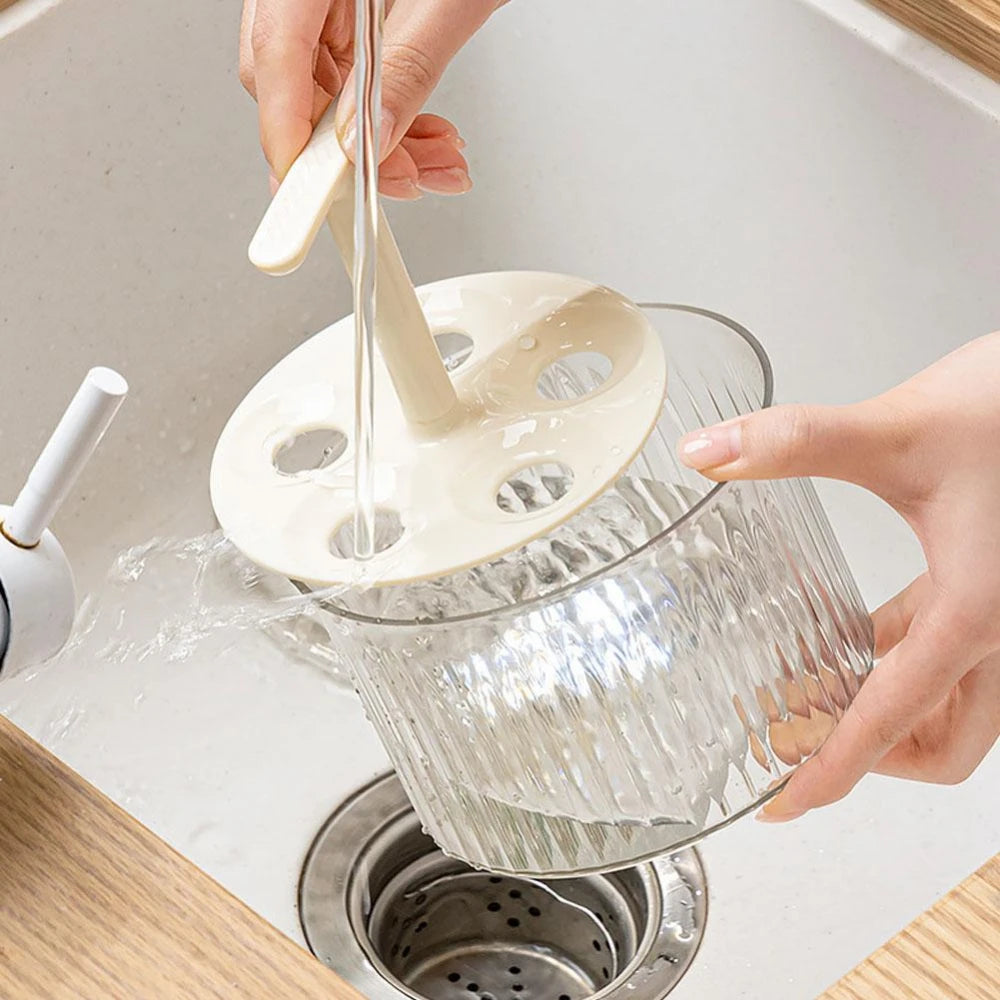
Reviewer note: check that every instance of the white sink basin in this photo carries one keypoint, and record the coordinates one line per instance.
(807, 168)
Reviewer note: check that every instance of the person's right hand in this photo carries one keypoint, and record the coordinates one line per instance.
(298, 55)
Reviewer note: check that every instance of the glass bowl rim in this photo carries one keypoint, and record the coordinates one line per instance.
(561, 593)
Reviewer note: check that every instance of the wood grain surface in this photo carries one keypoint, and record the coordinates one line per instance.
(94, 907)
(969, 29)
(951, 952)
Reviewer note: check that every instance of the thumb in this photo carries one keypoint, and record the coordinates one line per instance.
(420, 39)
(859, 444)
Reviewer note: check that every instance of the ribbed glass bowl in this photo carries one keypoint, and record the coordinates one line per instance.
(646, 673)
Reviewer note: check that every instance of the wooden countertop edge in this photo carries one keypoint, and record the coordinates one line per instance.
(969, 29)
(950, 952)
(95, 907)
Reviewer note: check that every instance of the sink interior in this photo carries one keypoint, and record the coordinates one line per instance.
(384, 907)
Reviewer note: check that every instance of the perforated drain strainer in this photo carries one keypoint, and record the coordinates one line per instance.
(385, 908)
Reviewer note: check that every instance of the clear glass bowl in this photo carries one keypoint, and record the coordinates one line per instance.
(646, 673)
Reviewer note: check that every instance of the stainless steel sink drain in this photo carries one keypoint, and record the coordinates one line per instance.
(386, 909)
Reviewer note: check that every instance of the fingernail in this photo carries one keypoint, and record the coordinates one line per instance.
(459, 142)
(779, 811)
(401, 188)
(445, 180)
(711, 447)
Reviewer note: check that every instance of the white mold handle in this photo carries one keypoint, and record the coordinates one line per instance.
(72, 443)
(318, 187)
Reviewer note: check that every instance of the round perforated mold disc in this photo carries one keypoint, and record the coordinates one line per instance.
(559, 384)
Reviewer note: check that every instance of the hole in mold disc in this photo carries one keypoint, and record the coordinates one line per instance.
(310, 450)
(535, 488)
(455, 348)
(388, 531)
(574, 376)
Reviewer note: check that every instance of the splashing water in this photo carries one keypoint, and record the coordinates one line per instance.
(167, 598)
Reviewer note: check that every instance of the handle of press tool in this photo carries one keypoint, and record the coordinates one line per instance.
(319, 187)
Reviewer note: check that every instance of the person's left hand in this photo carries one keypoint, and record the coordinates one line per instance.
(930, 448)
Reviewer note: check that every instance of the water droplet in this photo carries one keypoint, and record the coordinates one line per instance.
(527, 342)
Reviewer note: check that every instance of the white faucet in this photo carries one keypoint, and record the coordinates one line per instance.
(37, 595)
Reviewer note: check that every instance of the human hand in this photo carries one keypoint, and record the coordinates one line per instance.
(298, 55)
(931, 448)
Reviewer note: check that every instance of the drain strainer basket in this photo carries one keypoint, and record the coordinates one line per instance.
(385, 908)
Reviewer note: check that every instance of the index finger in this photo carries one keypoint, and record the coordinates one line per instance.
(284, 37)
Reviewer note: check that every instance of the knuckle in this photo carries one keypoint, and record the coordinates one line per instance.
(246, 74)
(882, 729)
(798, 428)
(976, 621)
(900, 425)
(264, 35)
(826, 783)
(963, 626)
(786, 436)
(408, 69)
(900, 421)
